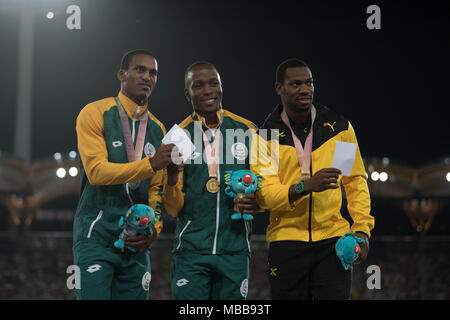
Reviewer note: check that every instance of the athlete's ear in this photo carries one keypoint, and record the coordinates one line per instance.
(278, 88)
(121, 75)
(187, 95)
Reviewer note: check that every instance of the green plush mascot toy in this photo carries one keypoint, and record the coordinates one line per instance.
(139, 219)
(238, 183)
(348, 248)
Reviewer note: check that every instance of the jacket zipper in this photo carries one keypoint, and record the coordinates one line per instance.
(128, 194)
(246, 223)
(217, 214)
(309, 218)
(181, 233)
(94, 222)
(310, 201)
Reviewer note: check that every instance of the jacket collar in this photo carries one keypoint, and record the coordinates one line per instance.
(132, 109)
(275, 115)
(196, 117)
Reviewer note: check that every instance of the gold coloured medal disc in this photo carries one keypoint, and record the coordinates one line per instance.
(212, 185)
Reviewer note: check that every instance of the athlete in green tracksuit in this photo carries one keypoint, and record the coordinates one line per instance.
(110, 184)
(211, 252)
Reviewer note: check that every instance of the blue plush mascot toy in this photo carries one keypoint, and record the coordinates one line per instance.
(139, 219)
(238, 183)
(348, 248)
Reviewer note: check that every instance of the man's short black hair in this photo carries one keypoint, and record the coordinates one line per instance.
(125, 63)
(195, 64)
(289, 63)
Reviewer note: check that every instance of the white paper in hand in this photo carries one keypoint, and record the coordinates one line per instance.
(344, 157)
(178, 137)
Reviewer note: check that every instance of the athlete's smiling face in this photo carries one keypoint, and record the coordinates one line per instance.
(297, 90)
(204, 89)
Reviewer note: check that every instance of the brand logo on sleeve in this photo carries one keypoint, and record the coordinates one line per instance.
(182, 282)
(94, 268)
(117, 144)
(331, 125)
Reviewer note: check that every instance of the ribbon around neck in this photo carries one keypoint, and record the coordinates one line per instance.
(303, 155)
(133, 154)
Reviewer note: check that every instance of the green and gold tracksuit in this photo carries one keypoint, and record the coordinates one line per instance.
(106, 194)
(211, 252)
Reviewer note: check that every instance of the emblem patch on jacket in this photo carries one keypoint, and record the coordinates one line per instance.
(149, 149)
(239, 151)
(146, 281)
(244, 288)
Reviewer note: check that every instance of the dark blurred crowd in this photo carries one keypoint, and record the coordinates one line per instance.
(408, 269)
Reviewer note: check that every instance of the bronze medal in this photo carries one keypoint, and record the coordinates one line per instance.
(212, 185)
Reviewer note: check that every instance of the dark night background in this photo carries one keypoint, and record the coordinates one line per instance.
(390, 83)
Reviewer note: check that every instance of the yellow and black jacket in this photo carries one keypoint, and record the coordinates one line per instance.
(315, 216)
(105, 171)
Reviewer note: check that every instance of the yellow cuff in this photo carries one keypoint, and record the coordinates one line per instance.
(362, 229)
(158, 226)
(149, 165)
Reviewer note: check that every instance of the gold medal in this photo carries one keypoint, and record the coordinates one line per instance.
(212, 185)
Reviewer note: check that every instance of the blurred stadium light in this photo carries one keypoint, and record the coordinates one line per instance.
(73, 171)
(383, 176)
(61, 172)
(404, 181)
(375, 175)
(73, 154)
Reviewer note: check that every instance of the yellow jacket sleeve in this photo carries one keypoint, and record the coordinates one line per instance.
(265, 161)
(94, 154)
(357, 192)
(173, 197)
